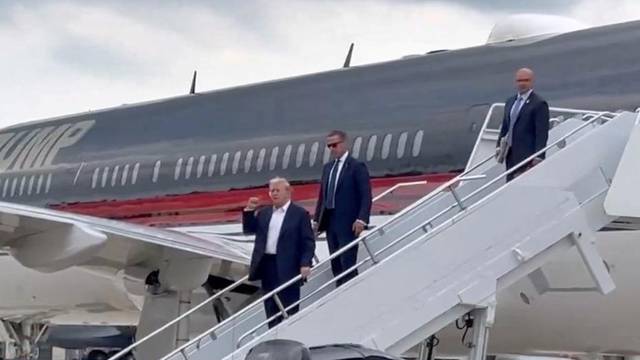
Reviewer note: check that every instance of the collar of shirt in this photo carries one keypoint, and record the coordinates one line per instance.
(343, 158)
(525, 96)
(283, 208)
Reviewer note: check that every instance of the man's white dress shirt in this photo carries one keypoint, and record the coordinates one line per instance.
(274, 228)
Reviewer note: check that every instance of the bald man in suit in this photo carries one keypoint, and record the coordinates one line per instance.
(525, 125)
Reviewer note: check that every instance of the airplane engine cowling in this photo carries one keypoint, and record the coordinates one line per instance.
(58, 248)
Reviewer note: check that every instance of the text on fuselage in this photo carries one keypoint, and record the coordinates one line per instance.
(37, 148)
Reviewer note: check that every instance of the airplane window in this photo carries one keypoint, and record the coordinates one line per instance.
(223, 163)
(355, 149)
(5, 187)
(247, 161)
(187, 171)
(402, 144)
(156, 172)
(200, 166)
(13, 187)
(286, 157)
(47, 186)
(176, 173)
(371, 148)
(115, 175)
(260, 162)
(105, 175)
(386, 146)
(417, 143)
(274, 158)
(134, 174)
(325, 156)
(125, 174)
(22, 183)
(31, 181)
(300, 155)
(313, 154)
(41, 179)
(94, 179)
(236, 162)
(212, 165)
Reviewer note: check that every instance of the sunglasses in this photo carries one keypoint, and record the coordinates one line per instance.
(331, 146)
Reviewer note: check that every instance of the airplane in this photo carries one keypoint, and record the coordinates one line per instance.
(117, 194)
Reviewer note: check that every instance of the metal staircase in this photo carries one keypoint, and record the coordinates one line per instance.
(451, 251)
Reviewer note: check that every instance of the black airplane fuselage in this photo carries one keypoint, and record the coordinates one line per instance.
(413, 116)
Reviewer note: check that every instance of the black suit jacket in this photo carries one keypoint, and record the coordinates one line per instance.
(530, 131)
(353, 195)
(296, 243)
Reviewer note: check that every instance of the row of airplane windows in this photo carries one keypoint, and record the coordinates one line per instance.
(107, 176)
(26, 185)
(113, 176)
(261, 156)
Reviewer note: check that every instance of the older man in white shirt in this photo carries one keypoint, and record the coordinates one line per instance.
(283, 248)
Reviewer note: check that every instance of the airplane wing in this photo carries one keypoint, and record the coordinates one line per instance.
(51, 240)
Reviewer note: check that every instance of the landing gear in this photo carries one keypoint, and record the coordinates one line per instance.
(97, 355)
(20, 340)
(169, 295)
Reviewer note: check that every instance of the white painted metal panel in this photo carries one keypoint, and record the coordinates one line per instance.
(623, 198)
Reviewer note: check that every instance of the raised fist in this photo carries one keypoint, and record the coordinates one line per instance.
(252, 204)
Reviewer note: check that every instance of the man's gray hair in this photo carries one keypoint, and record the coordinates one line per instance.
(278, 179)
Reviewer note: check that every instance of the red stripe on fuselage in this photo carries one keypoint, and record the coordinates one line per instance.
(226, 206)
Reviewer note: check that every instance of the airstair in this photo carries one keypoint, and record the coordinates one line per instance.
(451, 251)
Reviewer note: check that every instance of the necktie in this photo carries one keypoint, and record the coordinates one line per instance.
(513, 116)
(331, 187)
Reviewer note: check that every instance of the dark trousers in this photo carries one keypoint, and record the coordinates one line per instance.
(511, 163)
(336, 240)
(270, 281)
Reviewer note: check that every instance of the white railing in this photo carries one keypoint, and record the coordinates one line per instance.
(426, 227)
(233, 286)
(590, 117)
(496, 106)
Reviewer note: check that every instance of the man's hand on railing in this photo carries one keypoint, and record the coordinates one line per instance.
(535, 161)
(358, 227)
(305, 271)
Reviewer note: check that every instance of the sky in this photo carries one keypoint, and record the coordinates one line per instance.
(64, 57)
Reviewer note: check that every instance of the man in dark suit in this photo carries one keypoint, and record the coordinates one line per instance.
(525, 126)
(344, 203)
(283, 248)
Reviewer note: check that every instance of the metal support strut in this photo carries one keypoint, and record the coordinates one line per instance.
(482, 321)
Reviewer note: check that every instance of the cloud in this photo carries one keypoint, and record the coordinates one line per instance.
(71, 56)
(543, 6)
(74, 56)
(603, 12)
